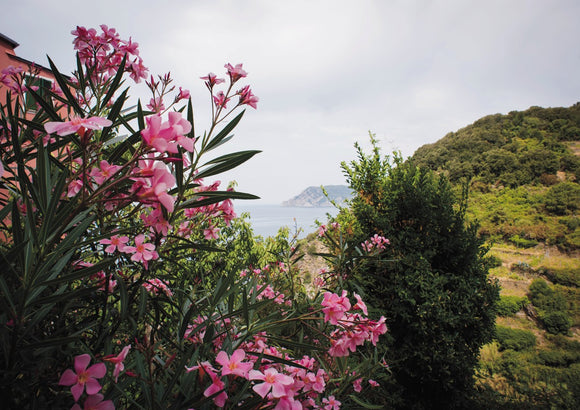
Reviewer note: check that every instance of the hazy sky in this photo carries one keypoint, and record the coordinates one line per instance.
(327, 72)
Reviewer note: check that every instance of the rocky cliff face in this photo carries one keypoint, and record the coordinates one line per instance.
(313, 197)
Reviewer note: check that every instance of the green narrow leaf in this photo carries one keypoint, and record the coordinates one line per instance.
(64, 86)
(115, 84)
(190, 118)
(80, 71)
(215, 197)
(179, 171)
(113, 114)
(217, 140)
(123, 298)
(140, 117)
(245, 311)
(123, 147)
(364, 404)
(225, 163)
(46, 106)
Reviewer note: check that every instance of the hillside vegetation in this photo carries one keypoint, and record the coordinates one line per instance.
(522, 147)
(523, 170)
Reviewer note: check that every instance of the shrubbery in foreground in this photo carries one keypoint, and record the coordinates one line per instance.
(106, 221)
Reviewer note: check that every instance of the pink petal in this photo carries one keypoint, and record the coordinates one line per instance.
(262, 389)
(51, 127)
(68, 378)
(93, 386)
(106, 405)
(97, 370)
(222, 358)
(278, 390)
(77, 390)
(255, 375)
(81, 362)
(93, 400)
(238, 355)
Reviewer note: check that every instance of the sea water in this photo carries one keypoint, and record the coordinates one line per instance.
(267, 219)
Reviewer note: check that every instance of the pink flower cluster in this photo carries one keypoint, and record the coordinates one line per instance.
(13, 78)
(167, 136)
(156, 286)
(207, 216)
(142, 251)
(105, 51)
(352, 329)
(376, 242)
(221, 99)
(84, 378)
(283, 385)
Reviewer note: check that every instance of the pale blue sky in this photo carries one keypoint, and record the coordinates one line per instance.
(327, 72)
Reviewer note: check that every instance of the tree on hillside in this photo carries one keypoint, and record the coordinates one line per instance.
(434, 289)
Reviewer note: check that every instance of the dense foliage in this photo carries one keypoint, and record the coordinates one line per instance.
(523, 173)
(433, 279)
(125, 279)
(511, 150)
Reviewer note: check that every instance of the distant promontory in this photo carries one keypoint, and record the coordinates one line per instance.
(313, 197)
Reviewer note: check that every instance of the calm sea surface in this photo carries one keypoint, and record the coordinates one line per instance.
(267, 219)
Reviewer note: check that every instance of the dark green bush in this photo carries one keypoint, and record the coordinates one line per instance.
(432, 285)
(545, 297)
(556, 322)
(565, 277)
(514, 339)
(563, 198)
(493, 261)
(510, 305)
(558, 357)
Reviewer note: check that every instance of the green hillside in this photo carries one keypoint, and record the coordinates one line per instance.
(522, 147)
(523, 171)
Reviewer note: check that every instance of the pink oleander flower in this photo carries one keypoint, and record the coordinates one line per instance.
(376, 329)
(331, 403)
(335, 306)
(216, 386)
(83, 378)
(156, 285)
(156, 105)
(211, 80)
(357, 385)
(235, 73)
(101, 279)
(360, 304)
(153, 181)
(142, 252)
(166, 136)
(75, 124)
(115, 243)
(247, 97)
(183, 94)
(234, 365)
(373, 383)
(74, 188)
(272, 381)
(220, 100)
(211, 233)
(118, 361)
(95, 402)
(104, 171)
